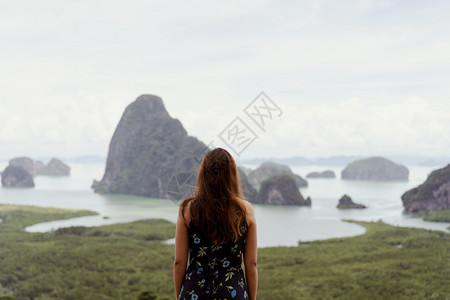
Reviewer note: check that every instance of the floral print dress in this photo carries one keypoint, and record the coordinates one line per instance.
(214, 270)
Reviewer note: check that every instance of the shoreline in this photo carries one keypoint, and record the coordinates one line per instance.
(98, 220)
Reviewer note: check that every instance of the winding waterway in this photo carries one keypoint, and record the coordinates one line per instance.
(284, 226)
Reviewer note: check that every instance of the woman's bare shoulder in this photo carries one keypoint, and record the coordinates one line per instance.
(248, 205)
(185, 211)
(250, 216)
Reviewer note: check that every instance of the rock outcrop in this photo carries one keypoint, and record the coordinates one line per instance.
(25, 162)
(270, 169)
(375, 168)
(347, 202)
(16, 176)
(54, 168)
(280, 190)
(35, 168)
(244, 170)
(324, 174)
(247, 189)
(147, 149)
(308, 201)
(38, 166)
(433, 194)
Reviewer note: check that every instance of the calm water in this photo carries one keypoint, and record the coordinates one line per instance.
(276, 225)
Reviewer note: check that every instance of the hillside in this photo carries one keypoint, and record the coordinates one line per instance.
(147, 149)
(375, 168)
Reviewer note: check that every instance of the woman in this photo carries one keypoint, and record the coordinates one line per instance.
(216, 227)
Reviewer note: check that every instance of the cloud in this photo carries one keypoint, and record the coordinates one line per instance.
(353, 77)
(355, 126)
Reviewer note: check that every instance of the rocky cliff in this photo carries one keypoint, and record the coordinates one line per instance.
(247, 189)
(433, 194)
(347, 202)
(270, 169)
(25, 162)
(34, 168)
(16, 176)
(280, 190)
(375, 168)
(147, 149)
(54, 168)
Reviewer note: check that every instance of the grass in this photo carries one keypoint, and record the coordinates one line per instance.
(17, 217)
(139, 230)
(123, 261)
(436, 215)
(386, 262)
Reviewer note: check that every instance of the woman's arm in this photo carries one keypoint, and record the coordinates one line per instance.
(250, 255)
(181, 254)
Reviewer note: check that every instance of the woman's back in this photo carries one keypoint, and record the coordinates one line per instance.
(215, 236)
(215, 270)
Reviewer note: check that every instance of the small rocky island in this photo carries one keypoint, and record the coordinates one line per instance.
(433, 194)
(324, 174)
(346, 202)
(16, 176)
(21, 170)
(25, 162)
(375, 168)
(54, 168)
(270, 169)
(280, 190)
(148, 148)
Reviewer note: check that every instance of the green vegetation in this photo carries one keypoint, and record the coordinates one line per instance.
(120, 261)
(436, 215)
(125, 261)
(139, 230)
(17, 217)
(386, 262)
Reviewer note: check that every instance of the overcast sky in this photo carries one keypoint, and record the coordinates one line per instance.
(351, 77)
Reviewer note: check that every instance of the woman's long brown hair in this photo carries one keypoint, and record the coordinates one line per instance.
(217, 206)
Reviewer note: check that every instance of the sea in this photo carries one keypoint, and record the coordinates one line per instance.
(276, 225)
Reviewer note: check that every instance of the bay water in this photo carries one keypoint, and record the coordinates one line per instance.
(277, 225)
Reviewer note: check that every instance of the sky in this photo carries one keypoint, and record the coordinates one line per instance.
(349, 77)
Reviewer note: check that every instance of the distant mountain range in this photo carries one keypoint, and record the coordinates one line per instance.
(335, 160)
(343, 160)
(82, 159)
